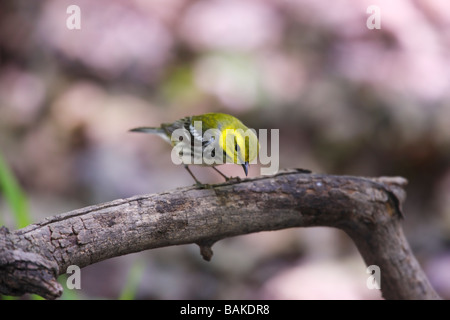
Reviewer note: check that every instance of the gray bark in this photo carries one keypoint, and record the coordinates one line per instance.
(367, 209)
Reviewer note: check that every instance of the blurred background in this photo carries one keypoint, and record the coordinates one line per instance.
(347, 100)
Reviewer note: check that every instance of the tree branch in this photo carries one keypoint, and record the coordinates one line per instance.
(367, 209)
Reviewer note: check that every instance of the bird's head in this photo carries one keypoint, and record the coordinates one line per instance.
(240, 146)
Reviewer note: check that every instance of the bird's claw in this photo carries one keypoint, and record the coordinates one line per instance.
(238, 179)
(200, 185)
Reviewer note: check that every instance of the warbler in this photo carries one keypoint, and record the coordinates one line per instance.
(209, 139)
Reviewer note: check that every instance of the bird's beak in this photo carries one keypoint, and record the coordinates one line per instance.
(245, 166)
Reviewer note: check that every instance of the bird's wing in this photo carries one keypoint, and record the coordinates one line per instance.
(169, 128)
(187, 124)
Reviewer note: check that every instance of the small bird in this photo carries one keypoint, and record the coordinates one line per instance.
(208, 140)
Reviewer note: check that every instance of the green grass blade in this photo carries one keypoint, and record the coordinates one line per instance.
(133, 280)
(14, 195)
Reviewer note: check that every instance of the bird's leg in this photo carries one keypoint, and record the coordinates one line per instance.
(226, 178)
(192, 175)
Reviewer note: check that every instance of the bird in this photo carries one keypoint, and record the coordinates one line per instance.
(208, 140)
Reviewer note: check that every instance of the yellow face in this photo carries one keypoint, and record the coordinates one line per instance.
(241, 146)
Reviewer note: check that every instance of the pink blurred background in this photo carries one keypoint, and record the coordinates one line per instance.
(347, 100)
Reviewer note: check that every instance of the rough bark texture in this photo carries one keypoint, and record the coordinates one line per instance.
(367, 209)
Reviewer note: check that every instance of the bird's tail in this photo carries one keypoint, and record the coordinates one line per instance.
(158, 131)
(148, 130)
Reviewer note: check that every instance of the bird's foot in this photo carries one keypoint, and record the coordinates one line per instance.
(200, 185)
(237, 179)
